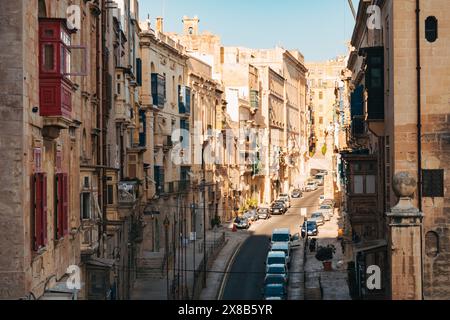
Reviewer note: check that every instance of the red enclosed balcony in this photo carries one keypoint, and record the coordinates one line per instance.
(56, 70)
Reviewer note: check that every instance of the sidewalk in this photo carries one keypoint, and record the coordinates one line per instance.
(297, 280)
(323, 285)
(155, 288)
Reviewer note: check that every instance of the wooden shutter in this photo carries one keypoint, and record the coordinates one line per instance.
(37, 210)
(59, 206)
(65, 204)
(139, 72)
(44, 209)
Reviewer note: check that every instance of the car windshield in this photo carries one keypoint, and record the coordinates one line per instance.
(316, 215)
(311, 184)
(284, 195)
(311, 226)
(276, 270)
(325, 207)
(274, 279)
(275, 260)
(280, 237)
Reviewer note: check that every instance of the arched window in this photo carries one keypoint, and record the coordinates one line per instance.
(431, 29)
(432, 244)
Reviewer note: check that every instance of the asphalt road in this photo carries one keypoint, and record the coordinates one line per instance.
(245, 281)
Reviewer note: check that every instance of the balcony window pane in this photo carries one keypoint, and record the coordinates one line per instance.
(370, 184)
(358, 184)
(49, 57)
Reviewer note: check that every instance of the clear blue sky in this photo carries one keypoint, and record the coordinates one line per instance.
(318, 28)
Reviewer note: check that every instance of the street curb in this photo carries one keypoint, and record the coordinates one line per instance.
(227, 269)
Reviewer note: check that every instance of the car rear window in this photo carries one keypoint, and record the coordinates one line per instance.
(276, 270)
(279, 237)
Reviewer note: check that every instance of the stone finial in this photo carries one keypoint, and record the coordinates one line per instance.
(404, 185)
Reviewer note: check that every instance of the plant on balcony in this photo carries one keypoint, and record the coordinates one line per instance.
(325, 255)
(324, 149)
(252, 203)
(216, 222)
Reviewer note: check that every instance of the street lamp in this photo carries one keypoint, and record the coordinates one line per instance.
(166, 229)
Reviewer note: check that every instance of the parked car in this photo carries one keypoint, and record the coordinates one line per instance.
(263, 213)
(283, 247)
(327, 209)
(275, 279)
(284, 236)
(278, 269)
(329, 202)
(296, 194)
(276, 257)
(252, 216)
(285, 197)
(280, 235)
(319, 179)
(241, 223)
(321, 199)
(275, 292)
(311, 186)
(318, 218)
(311, 228)
(277, 208)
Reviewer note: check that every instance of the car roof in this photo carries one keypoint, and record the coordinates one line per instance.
(281, 230)
(280, 245)
(276, 254)
(276, 266)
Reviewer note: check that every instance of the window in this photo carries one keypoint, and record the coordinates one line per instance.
(358, 184)
(139, 72)
(364, 184)
(433, 183)
(320, 95)
(370, 184)
(49, 57)
(39, 210)
(431, 29)
(86, 206)
(110, 194)
(61, 205)
(118, 88)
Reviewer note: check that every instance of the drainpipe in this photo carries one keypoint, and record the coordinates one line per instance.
(419, 133)
(98, 94)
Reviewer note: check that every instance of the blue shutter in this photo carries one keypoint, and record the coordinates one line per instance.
(139, 72)
(142, 129)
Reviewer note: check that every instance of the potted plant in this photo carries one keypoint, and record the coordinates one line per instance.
(325, 254)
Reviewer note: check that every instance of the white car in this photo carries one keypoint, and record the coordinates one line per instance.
(311, 186)
(285, 197)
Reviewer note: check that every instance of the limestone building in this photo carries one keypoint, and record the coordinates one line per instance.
(400, 111)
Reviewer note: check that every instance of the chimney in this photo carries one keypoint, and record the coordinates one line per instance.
(160, 24)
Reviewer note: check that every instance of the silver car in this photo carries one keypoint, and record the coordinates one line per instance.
(318, 218)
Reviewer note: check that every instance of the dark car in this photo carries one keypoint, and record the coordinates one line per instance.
(241, 223)
(296, 194)
(263, 213)
(313, 229)
(278, 208)
(274, 292)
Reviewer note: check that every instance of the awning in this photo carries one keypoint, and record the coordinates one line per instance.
(369, 245)
(100, 262)
(60, 291)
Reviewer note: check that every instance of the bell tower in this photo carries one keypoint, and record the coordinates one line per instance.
(190, 26)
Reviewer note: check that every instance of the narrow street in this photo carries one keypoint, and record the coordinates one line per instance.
(245, 281)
